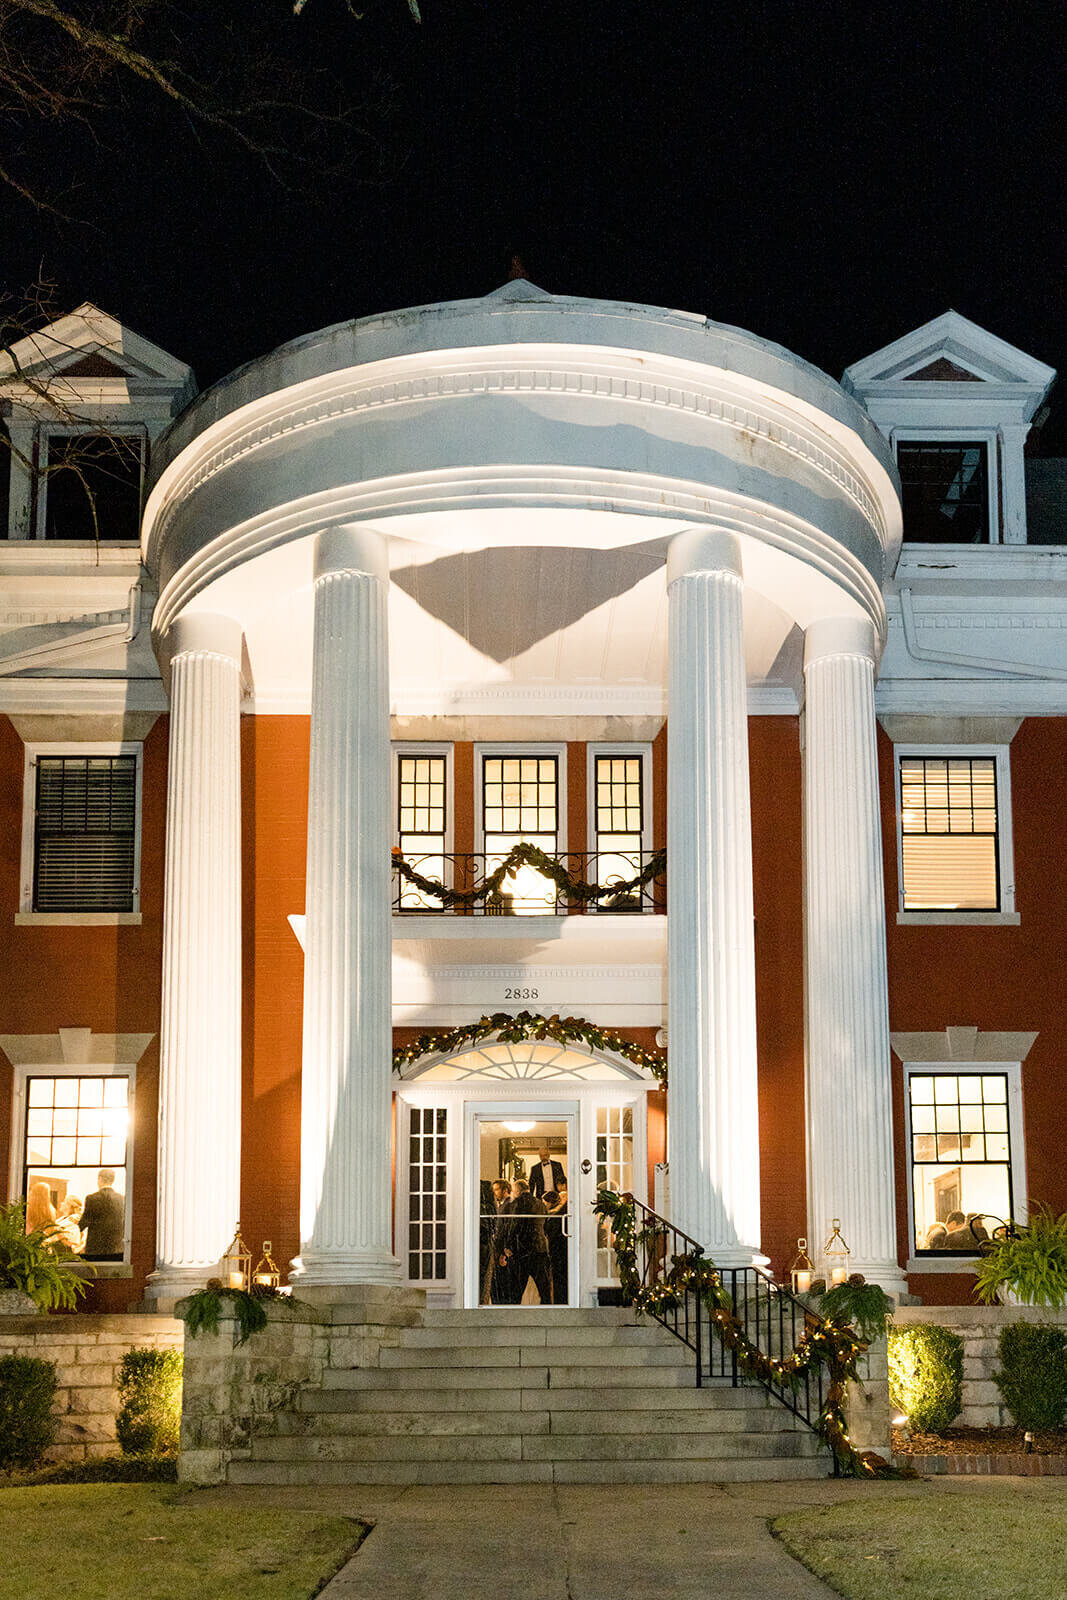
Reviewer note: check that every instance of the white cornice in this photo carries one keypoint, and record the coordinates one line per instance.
(106, 697)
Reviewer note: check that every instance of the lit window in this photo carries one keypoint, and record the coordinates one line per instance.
(520, 803)
(960, 1156)
(91, 486)
(85, 813)
(422, 813)
(618, 821)
(954, 836)
(427, 1194)
(944, 489)
(75, 1161)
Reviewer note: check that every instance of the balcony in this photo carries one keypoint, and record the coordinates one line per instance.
(529, 883)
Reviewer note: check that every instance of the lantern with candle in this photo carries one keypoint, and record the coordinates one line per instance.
(802, 1271)
(266, 1274)
(237, 1263)
(837, 1253)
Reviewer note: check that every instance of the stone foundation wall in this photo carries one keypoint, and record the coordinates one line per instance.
(979, 1328)
(86, 1350)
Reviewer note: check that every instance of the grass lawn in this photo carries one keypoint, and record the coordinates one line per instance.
(1002, 1543)
(150, 1541)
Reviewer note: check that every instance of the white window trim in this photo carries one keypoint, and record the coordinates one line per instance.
(1005, 915)
(49, 430)
(83, 1069)
(961, 433)
(1016, 1149)
(533, 747)
(405, 747)
(621, 747)
(26, 915)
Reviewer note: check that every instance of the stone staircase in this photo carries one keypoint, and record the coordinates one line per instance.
(526, 1396)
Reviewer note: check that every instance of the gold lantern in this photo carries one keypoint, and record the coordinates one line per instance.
(802, 1272)
(837, 1253)
(266, 1275)
(237, 1264)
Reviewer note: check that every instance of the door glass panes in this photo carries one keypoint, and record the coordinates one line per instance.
(74, 1162)
(427, 1193)
(960, 1156)
(422, 801)
(944, 491)
(524, 1215)
(619, 818)
(949, 844)
(614, 1170)
(520, 802)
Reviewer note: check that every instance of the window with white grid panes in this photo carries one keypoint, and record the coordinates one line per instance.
(427, 1193)
(618, 817)
(614, 1170)
(422, 813)
(520, 804)
(949, 836)
(960, 1155)
(76, 1145)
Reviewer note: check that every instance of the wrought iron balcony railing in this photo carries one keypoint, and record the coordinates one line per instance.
(456, 885)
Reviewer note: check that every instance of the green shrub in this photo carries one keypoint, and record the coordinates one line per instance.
(1033, 1379)
(150, 1388)
(27, 1423)
(926, 1375)
(101, 1469)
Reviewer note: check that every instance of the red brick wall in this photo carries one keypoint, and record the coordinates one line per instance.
(106, 979)
(996, 979)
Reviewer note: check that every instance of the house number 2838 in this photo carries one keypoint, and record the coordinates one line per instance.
(521, 994)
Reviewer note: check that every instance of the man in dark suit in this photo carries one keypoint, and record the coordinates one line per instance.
(104, 1220)
(547, 1175)
(524, 1245)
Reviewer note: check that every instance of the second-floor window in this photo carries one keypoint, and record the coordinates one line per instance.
(521, 802)
(84, 831)
(954, 835)
(422, 822)
(90, 485)
(619, 814)
(944, 490)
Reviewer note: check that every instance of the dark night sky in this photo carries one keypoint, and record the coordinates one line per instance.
(826, 176)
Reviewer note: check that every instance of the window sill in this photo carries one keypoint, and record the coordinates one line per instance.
(958, 919)
(77, 919)
(104, 1269)
(950, 1264)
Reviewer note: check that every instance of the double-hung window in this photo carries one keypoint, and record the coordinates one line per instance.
(620, 818)
(74, 1165)
(422, 807)
(945, 490)
(521, 794)
(81, 830)
(90, 485)
(954, 830)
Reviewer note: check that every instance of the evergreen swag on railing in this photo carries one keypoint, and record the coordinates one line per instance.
(568, 885)
(528, 1025)
(826, 1344)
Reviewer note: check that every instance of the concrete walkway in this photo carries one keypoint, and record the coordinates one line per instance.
(586, 1542)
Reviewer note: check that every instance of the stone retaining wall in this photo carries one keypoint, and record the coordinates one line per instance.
(86, 1349)
(979, 1328)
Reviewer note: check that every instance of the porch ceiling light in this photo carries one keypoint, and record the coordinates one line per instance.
(519, 1127)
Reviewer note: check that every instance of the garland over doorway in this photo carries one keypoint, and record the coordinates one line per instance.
(528, 1025)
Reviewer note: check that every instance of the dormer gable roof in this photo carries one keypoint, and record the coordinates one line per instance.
(951, 361)
(87, 350)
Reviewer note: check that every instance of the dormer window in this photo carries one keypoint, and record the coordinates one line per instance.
(945, 491)
(89, 485)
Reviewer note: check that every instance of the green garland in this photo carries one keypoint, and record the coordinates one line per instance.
(826, 1344)
(529, 1025)
(568, 884)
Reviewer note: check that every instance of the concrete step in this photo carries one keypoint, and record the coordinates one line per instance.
(507, 1421)
(515, 1377)
(538, 1355)
(405, 1396)
(482, 1472)
(532, 1317)
(535, 1447)
(481, 1333)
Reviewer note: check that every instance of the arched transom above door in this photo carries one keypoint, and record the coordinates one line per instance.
(527, 1062)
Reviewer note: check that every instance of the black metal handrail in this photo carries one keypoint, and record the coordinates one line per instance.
(771, 1317)
(465, 871)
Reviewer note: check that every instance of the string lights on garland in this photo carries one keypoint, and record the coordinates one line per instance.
(529, 1025)
(569, 886)
(822, 1344)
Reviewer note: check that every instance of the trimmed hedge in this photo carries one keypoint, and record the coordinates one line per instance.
(1033, 1380)
(150, 1388)
(101, 1469)
(926, 1375)
(27, 1422)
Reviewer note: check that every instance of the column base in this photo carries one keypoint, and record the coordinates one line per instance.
(335, 1268)
(887, 1274)
(736, 1256)
(167, 1285)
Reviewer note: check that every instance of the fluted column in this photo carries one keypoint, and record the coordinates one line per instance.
(712, 1099)
(849, 1093)
(199, 1177)
(345, 1140)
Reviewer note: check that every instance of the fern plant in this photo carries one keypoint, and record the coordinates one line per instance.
(1031, 1263)
(858, 1304)
(37, 1263)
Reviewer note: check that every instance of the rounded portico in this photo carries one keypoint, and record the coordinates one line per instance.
(523, 500)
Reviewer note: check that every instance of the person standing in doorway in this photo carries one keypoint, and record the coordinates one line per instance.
(525, 1244)
(547, 1175)
(555, 1226)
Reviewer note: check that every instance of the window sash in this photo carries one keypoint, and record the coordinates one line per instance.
(945, 490)
(949, 821)
(78, 1123)
(85, 832)
(426, 1223)
(422, 822)
(959, 1128)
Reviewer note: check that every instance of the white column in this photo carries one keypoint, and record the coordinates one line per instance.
(849, 1096)
(345, 1138)
(199, 1181)
(713, 1113)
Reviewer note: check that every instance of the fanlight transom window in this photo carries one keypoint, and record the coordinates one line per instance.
(523, 1062)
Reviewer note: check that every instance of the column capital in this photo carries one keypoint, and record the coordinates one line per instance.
(840, 636)
(205, 633)
(697, 550)
(352, 548)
